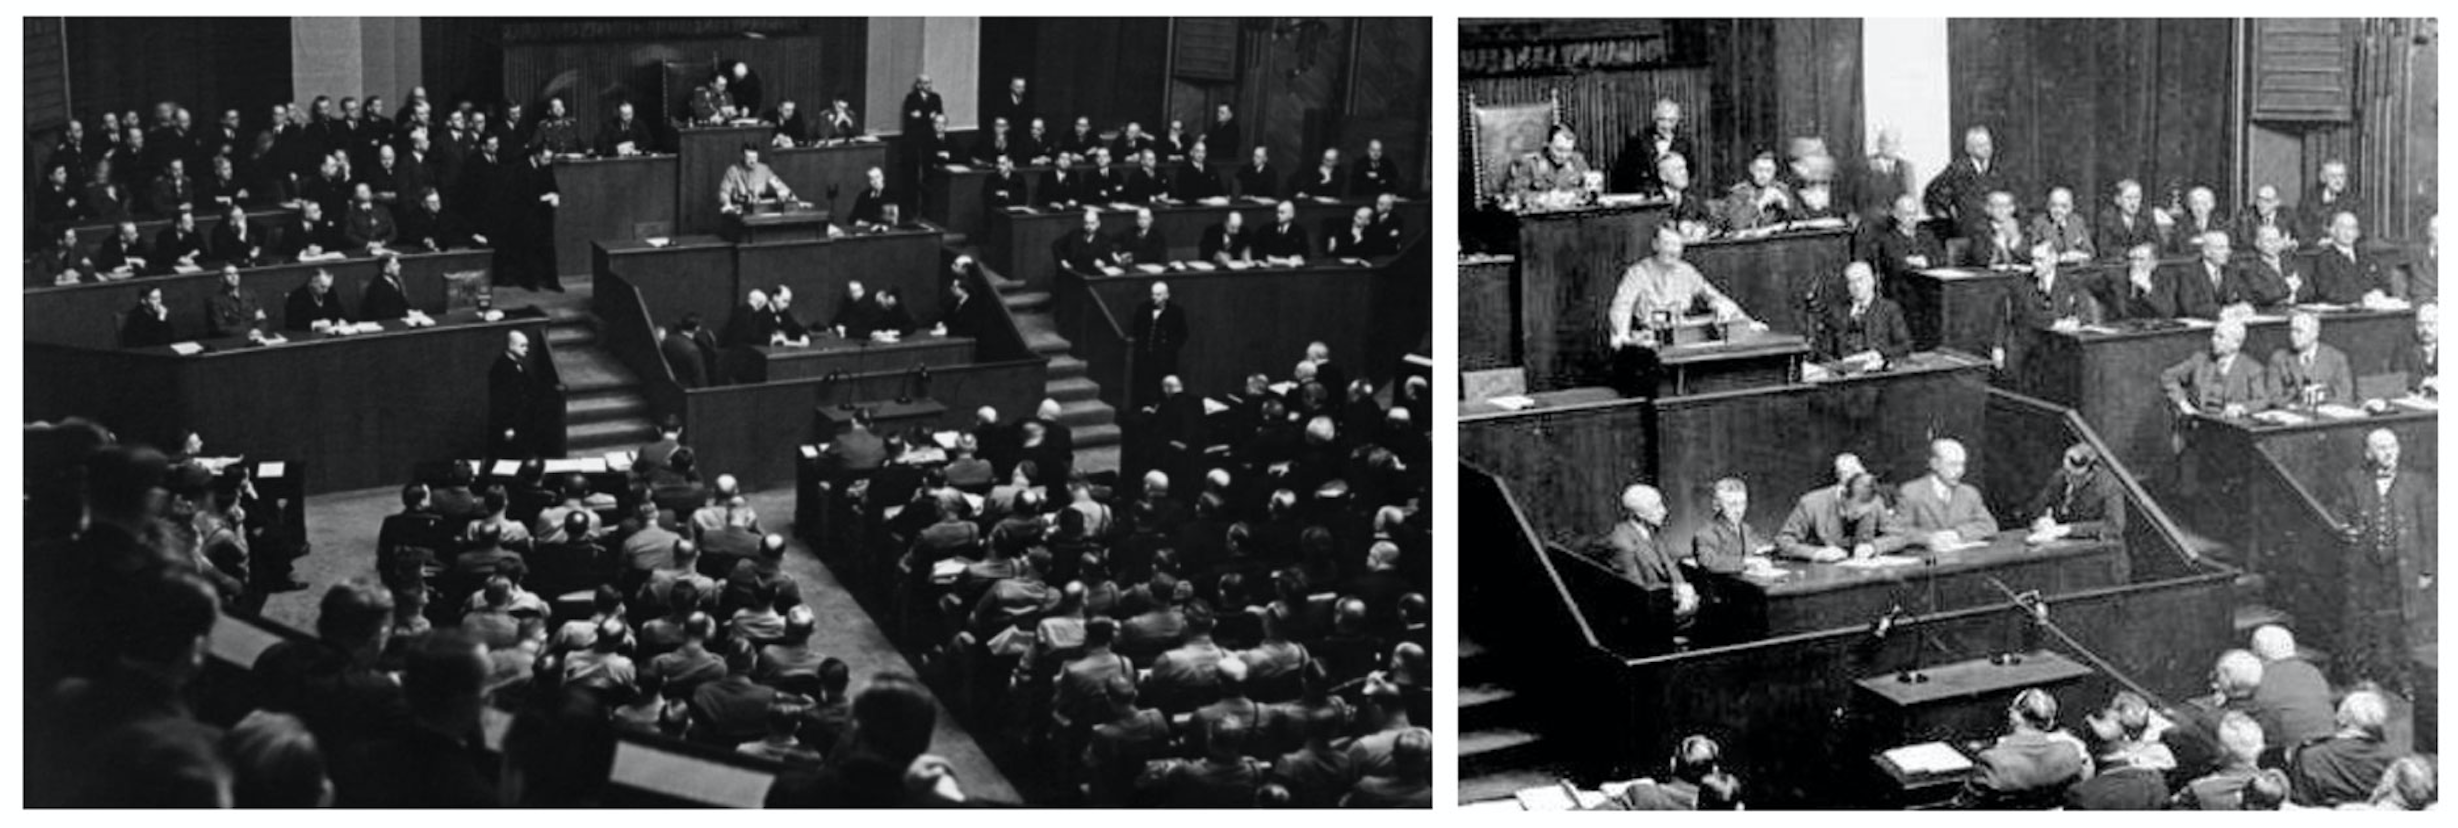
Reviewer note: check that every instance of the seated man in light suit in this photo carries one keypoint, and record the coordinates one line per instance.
(1653, 296)
(1845, 520)
(1640, 552)
(1726, 543)
(749, 181)
(2309, 371)
(1938, 509)
(2221, 380)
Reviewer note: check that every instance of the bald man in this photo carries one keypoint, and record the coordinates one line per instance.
(1938, 510)
(2389, 520)
(1640, 552)
(1636, 169)
(1865, 327)
(511, 400)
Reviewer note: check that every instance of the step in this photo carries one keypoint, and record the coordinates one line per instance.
(609, 404)
(1470, 650)
(1072, 389)
(582, 439)
(1488, 705)
(1078, 413)
(1095, 436)
(573, 335)
(1483, 694)
(1026, 300)
(1047, 342)
(2252, 615)
(1496, 749)
(1503, 784)
(589, 369)
(1063, 366)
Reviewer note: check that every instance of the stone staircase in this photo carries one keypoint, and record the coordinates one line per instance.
(1500, 752)
(603, 409)
(1080, 409)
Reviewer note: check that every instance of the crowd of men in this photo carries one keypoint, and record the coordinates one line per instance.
(1238, 620)
(358, 180)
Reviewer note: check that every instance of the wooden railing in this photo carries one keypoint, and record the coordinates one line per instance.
(1094, 335)
(626, 331)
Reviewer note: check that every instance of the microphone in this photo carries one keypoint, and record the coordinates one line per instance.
(1886, 622)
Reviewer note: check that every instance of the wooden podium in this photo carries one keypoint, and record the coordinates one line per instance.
(1962, 700)
(770, 224)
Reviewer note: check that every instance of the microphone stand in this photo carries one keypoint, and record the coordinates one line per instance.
(2035, 607)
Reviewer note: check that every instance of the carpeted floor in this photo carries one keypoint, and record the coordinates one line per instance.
(343, 528)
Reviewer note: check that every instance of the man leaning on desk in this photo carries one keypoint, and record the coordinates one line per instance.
(1653, 295)
(750, 181)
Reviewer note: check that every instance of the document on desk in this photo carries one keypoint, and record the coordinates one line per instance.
(1151, 269)
(1558, 798)
(2285, 418)
(2418, 403)
(1213, 406)
(506, 468)
(2196, 323)
(1879, 562)
(271, 469)
(945, 439)
(1929, 758)
(1199, 266)
(2336, 411)
(619, 460)
(562, 465)
(959, 168)
(187, 348)
(1512, 402)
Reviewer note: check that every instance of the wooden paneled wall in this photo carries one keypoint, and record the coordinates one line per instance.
(1108, 69)
(2085, 103)
(808, 67)
(2391, 149)
(204, 63)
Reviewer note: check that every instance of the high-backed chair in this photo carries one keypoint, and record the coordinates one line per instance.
(1501, 134)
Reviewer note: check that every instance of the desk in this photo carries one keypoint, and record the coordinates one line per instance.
(1814, 596)
(690, 274)
(612, 198)
(952, 196)
(828, 354)
(1959, 308)
(765, 226)
(313, 400)
(1488, 313)
(1020, 241)
(1960, 701)
(87, 315)
(1241, 322)
(829, 176)
(710, 276)
(2112, 379)
(1750, 360)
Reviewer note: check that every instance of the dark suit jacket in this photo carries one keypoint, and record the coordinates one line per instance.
(304, 307)
(509, 399)
(2197, 381)
(1894, 247)
(139, 329)
(1642, 556)
(1282, 241)
(2293, 703)
(684, 358)
(1359, 242)
(1142, 187)
(2329, 372)
(1961, 193)
(1190, 183)
(373, 224)
(1221, 140)
(1081, 252)
(2113, 235)
(2266, 286)
(1216, 239)
(2122, 789)
(1003, 191)
(616, 132)
(1257, 182)
(2344, 279)
(2092, 503)
(1879, 328)
(972, 318)
(171, 244)
(1146, 247)
(1375, 177)
(1634, 170)
(2027, 768)
(230, 247)
(1162, 335)
(858, 450)
(2186, 290)
(871, 205)
(170, 194)
(300, 233)
(1316, 182)
(1098, 186)
(113, 252)
(383, 299)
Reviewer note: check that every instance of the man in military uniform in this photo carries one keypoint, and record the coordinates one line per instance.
(558, 130)
(711, 104)
(1558, 167)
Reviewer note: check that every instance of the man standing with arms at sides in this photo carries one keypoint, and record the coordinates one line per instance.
(2390, 564)
(2316, 212)
(1222, 136)
(512, 401)
(1159, 331)
(1642, 555)
(920, 105)
(1958, 198)
(1635, 170)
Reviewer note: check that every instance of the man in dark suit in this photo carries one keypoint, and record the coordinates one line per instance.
(2320, 209)
(1257, 179)
(2265, 211)
(2033, 764)
(1222, 135)
(1634, 171)
(1864, 325)
(996, 142)
(1636, 549)
(1013, 106)
(2124, 224)
(690, 352)
(2391, 565)
(625, 134)
(1358, 240)
(2292, 703)
(921, 105)
(1160, 330)
(838, 123)
(2200, 288)
(2419, 358)
(172, 192)
(1142, 245)
(232, 310)
(181, 243)
(1003, 187)
(2310, 372)
(1283, 243)
(858, 451)
(1904, 248)
(966, 315)
(2201, 217)
(1227, 241)
(1376, 173)
(427, 227)
(870, 207)
(2082, 499)
(2347, 276)
(369, 225)
(1080, 141)
(531, 203)
(1958, 198)
(512, 401)
(148, 325)
(1326, 181)
(313, 302)
(1387, 225)
(2220, 380)
(1144, 184)
(56, 202)
(1086, 250)
(236, 240)
(417, 533)
(1195, 180)
(313, 233)
(125, 252)
(385, 297)
(1131, 142)
(1101, 184)
(2273, 279)
(2345, 767)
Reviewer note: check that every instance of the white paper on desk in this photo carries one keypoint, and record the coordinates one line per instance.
(1121, 206)
(1263, 199)
(2097, 329)
(1213, 406)
(187, 348)
(1558, 798)
(945, 439)
(2321, 307)
(619, 461)
(1216, 201)
(1956, 546)
(271, 469)
(1199, 266)
(1107, 270)
(810, 452)
(2286, 418)
(2336, 411)
(2197, 323)
(1512, 402)
(1240, 264)
(184, 269)
(959, 168)
(1948, 273)
(1813, 372)
(1879, 562)
(1283, 387)
(2418, 403)
(506, 468)
(1021, 210)
(562, 465)
(593, 465)
(974, 501)
(1352, 261)
(1929, 758)
(1151, 269)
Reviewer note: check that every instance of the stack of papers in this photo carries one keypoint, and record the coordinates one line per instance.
(1928, 758)
(505, 468)
(1240, 264)
(946, 571)
(2336, 411)
(619, 461)
(1879, 562)
(2418, 403)
(945, 439)
(1513, 402)
(184, 268)
(187, 348)
(2285, 418)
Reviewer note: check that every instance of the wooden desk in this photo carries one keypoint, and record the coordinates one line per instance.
(690, 274)
(2112, 379)
(1814, 596)
(1019, 242)
(1241, 322)
(1959, 308)
(262, 218)
(828, 354)
(611, 199)
(87, 315)
(1750, 360)
(1773, 276)
(793, 224)
(1488, 313)
(829, 176)
(710, 276)
(1961, 700)
(362, 410)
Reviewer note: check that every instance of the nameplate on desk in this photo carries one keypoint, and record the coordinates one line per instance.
(187, 348)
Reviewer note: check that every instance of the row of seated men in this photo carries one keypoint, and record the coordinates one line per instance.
(700, 358)
(234, 310)
(1267, 562)
(314, 234)
(1369, 232)
(1092, 179)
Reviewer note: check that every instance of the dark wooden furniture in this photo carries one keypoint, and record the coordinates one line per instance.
(710, 276)
(612, 199)
(828, 354)
(1815, 596)
(1749, 360)
(1019, 242)
(88, 315)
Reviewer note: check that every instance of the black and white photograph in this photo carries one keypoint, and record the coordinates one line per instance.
(749, 412)
(1927, 413)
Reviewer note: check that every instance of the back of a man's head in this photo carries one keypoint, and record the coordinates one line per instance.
(894, 717)
(1695, 758)
(834, 676)
(160, 762)
(275, 763)
(121, 481)
(443, 673)
(2238, 673)
(2273, 642)
(2240, 737)
(1412, 754)
(355, 613)
(169, 614)
(2364, 710)
(1199, 619)
(1225, 739)
(2036, 709)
